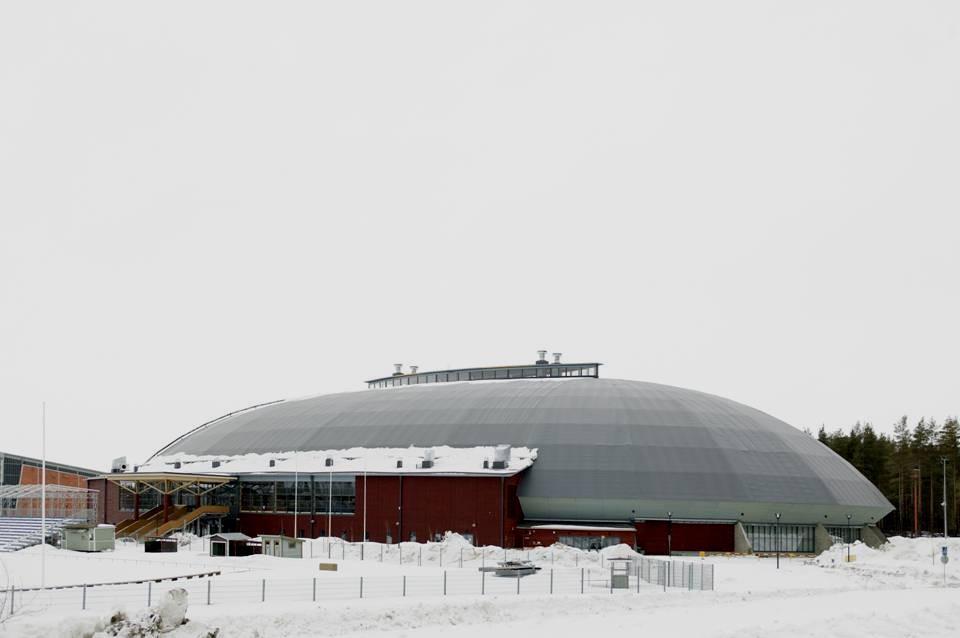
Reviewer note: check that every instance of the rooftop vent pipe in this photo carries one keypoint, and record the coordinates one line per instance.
(501, 457)
(427, 458)
(397, 369)
(542, 357)
(556, 357)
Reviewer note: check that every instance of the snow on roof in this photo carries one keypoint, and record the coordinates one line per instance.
(446, 460)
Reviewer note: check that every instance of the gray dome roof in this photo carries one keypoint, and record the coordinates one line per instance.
(609, 449)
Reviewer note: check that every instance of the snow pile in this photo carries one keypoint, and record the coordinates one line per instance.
(446, 460)
(167, 618)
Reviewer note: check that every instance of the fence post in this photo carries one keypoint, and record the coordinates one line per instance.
(329, 549)
(149, 592)
(404, 584)
(581, 580)
(551, 580)
(12, 591)
(343, 551)
(361, 587)
(461, 558)
(209, 584)
(381, 552)
(518, 582)
(314, 589)
(420, 557)
(483, 583)
(84, 603)
(444, 582)
(263, 590)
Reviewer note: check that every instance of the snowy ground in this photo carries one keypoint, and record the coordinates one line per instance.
(897, 591)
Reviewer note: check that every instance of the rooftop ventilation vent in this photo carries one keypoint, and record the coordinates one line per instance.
(501, 457)
(542, 357)
(397, 369)
(427, 458)
(273, 463)
(413, 369)
(556, 357)
(215, 464)
(329, 461)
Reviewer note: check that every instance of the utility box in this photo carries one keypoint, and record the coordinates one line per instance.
(159, 545)
(620, 573)
(84, 537)
(282, 546)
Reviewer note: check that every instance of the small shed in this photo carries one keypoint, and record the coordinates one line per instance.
(233, 544)
(87, 537)
(158, 544)
(282, 546)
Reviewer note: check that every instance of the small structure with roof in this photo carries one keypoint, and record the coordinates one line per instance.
(282, 546)
(233, 544)
(88, 537)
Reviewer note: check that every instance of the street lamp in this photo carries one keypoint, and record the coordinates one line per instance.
(943, 460)
(778, 539)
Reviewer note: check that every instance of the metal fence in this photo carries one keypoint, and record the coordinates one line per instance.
(645, 574)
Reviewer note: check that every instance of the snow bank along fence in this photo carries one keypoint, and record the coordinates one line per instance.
(646, 574)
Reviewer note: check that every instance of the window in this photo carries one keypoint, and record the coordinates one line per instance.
(343, 492)
(844, 533)
(792, 538)
(148, 500)
(589, 542)
(286, 490)
(257, 496)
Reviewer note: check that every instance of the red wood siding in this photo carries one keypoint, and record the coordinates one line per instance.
(685, 537)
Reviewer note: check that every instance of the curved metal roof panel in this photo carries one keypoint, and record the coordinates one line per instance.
(607, 447)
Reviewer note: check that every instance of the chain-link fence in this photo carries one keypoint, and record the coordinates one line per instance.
(640, 574)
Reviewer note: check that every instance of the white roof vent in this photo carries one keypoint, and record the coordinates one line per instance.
(501, 457)
(427, 458)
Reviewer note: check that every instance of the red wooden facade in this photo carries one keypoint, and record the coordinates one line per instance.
(406, 507)
(401, 508)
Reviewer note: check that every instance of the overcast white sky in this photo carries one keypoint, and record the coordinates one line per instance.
(209, 205)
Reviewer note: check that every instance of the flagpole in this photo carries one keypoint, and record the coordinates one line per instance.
(43, 497)
(296, 486)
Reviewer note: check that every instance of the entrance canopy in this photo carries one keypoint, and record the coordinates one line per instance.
(167, 482)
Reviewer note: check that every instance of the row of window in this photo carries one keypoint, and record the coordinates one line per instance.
(845, 533)
(589, 542)
(320, 496)
(487, 374)
(784, 538)
(336, 497)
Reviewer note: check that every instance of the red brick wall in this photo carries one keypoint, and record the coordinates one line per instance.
(30, 475)
(108, 507)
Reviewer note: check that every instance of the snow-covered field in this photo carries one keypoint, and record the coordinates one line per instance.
(897, 591)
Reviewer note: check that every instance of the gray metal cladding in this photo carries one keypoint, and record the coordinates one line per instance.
(628, 443)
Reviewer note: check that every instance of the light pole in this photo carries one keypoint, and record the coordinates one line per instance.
(778, 539)
(669, 533)
(848, 538)
(943, 460)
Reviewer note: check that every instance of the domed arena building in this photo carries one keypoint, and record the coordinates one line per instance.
(512, 456)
